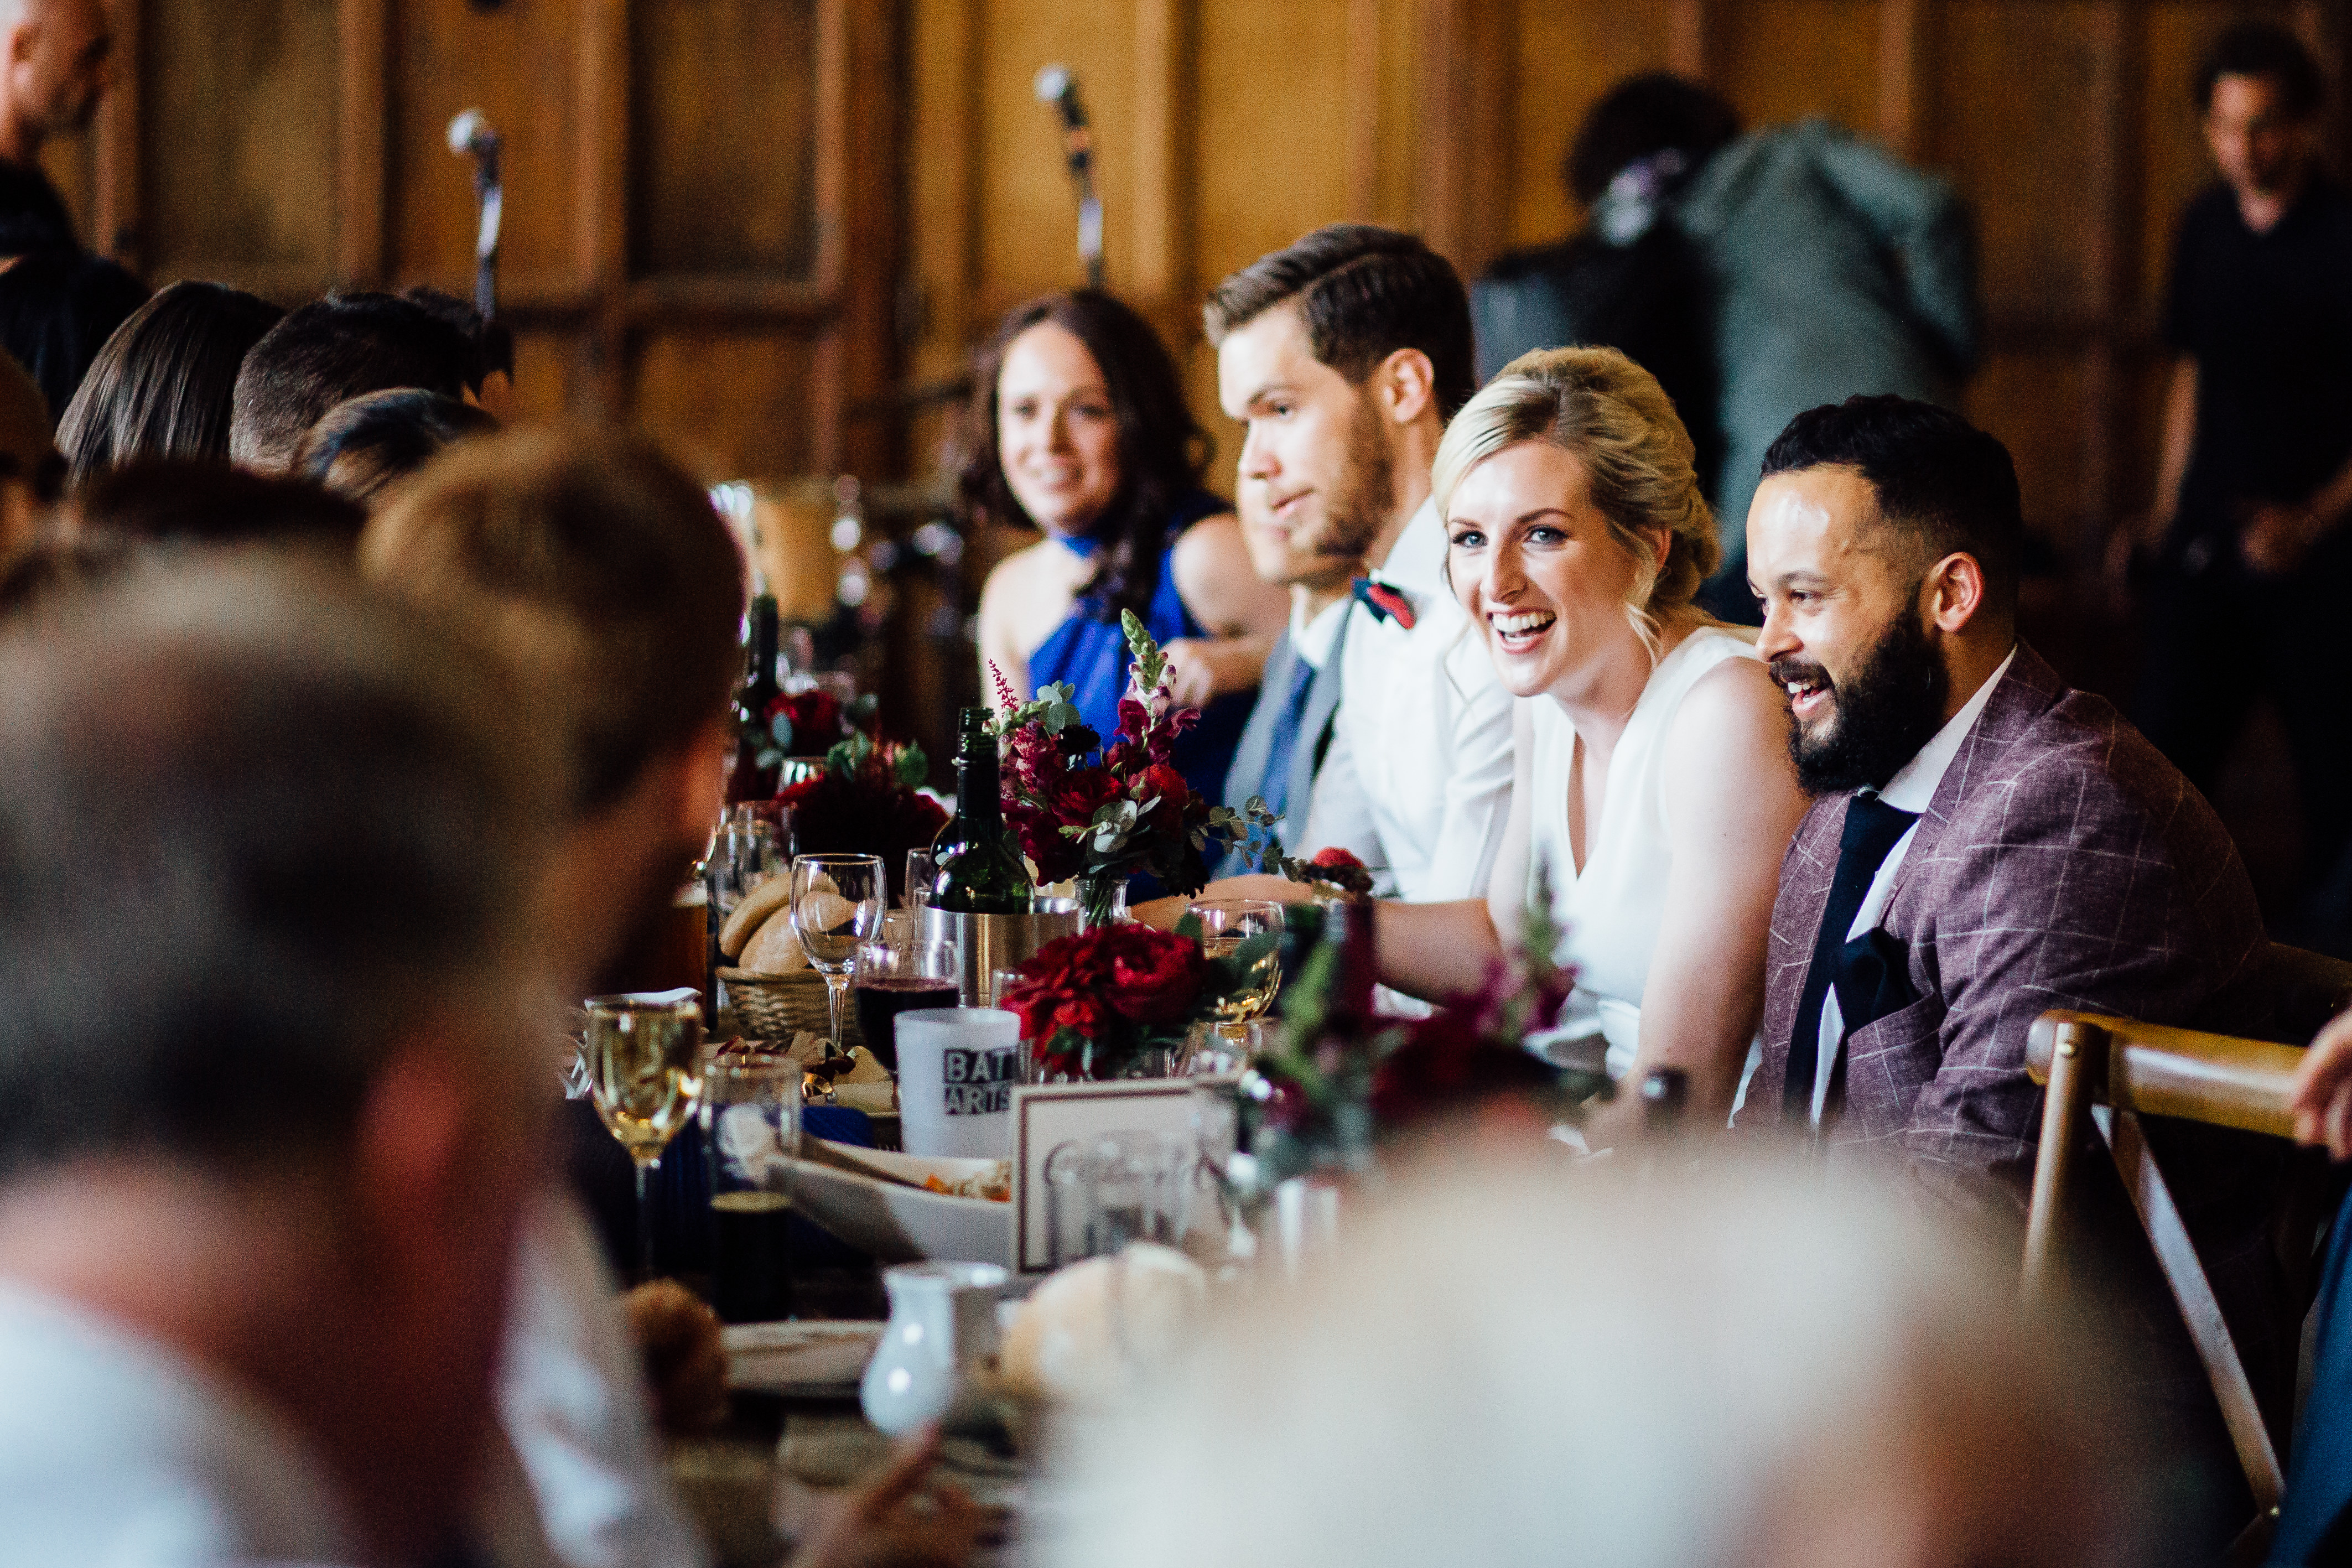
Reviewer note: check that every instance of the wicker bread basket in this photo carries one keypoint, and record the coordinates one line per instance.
(777, 1006)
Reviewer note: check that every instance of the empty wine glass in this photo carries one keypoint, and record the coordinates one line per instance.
(1249, 929)
(837, 903)
(921, 871)
(645, 1073)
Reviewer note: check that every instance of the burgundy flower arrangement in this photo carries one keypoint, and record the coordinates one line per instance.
(1092, 1005)
(1102, 813)
(866, 801)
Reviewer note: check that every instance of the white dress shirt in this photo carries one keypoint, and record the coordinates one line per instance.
(116, 1452)
(1311, 637)
(1912, 789)
(1418, 779)
(572, 1404)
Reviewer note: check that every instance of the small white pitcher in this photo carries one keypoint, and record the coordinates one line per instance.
(942, 1319)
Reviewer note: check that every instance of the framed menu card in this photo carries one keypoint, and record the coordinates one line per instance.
(1046, 1116)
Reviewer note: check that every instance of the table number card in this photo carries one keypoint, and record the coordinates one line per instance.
(1046, 1116)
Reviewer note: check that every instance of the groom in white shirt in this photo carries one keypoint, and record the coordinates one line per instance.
(1344, 354)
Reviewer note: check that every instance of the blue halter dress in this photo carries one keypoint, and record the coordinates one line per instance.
(1089, 652)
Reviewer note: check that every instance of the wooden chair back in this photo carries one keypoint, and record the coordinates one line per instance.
(2113, 1072)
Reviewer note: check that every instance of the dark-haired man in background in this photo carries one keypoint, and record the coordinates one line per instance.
(1344, 354)
(2250, 550)
(332, 350)
(1988, 845)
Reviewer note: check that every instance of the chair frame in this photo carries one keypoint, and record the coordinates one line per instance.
(2114, 1071)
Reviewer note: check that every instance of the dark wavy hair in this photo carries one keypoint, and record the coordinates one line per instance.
(161, 386)
(1163, 451)
(1640, 116)
(2264, 49)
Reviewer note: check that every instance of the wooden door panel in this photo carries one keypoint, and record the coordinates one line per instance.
(238, 139)
(2019, 96)
(1785, 60)
(1564, 59)
(723, 137)
(1030, 242)
(731, 402)
(522, 66)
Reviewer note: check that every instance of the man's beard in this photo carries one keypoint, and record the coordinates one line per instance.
(1357, 506)
(1893, 706)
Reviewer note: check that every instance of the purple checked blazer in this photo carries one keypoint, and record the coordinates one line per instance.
(2063, 863)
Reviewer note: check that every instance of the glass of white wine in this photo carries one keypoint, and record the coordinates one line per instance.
(645, 1073)
(837, 903)
(1227, 927)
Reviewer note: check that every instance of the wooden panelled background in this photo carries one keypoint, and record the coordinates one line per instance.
(1227, 127)
(750, 223)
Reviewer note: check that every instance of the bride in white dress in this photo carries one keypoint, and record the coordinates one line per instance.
(1653, 779)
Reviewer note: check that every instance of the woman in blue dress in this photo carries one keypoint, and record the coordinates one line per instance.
(1087, 438)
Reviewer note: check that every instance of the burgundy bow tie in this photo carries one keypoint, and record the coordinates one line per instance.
(1386, 604)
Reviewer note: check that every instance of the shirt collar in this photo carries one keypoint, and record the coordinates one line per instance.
(1416, 562)
(1311, 637)
(1914, 785)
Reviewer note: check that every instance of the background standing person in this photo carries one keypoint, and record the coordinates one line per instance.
(1083, 433)
(2250, 554)
(57, 61)
(1344, 354)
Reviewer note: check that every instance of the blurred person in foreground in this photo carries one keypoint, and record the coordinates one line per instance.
(602, 572)
(1987, 844)
(186, 502)
(332, 350)
(162, 384)
(363, 448)
(2314, 1527)
(2247, 546)
(1083, 433)
(1343, 355)
(267, 845)
(1514, 1364)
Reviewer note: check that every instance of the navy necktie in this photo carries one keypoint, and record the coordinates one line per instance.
(1873, 828)
(1284, 745)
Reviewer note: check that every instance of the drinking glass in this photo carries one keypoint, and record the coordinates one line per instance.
(1228, 926)
(751, 1129)
(921, 869)
(837, 901)
(891, 978)
(645, 1073)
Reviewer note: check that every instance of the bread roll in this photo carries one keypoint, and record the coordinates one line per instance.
(1085, 1335)
(762, 900)
(775, 949)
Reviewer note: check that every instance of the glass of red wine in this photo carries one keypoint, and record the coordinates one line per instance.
(891, 978)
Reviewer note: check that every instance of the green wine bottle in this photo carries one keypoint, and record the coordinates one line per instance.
(981, 871)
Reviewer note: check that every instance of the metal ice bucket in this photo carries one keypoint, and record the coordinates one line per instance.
(985, 944)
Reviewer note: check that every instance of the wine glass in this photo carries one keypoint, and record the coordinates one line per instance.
(1227, 926)
(921, 871)
(837, 903)
(645, 1073)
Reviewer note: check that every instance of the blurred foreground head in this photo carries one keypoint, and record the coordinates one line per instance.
(1754, 1367)
(364, 446)
(264, 840)
(601, 569)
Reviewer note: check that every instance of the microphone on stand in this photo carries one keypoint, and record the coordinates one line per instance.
(471, 135)
(1058, 87)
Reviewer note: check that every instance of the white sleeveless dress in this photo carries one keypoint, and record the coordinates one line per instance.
(1612, 909)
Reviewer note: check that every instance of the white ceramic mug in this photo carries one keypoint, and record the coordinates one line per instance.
(957, 1069)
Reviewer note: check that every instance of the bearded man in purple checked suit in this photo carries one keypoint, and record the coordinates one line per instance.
(1987, 844)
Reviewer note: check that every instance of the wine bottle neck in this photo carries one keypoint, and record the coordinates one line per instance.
(979, 785)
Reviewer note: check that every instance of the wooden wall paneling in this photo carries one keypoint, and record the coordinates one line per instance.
(599, 233)
(1903, 26)
(723, 128)
(2115, 190)
(112, 227)
(1465, 134)
(940, 174)
(362, 117)
(1562, 59)
(1028, 243)
(729, 401)
(238, 136)
(1160, 268)
(1694, 38)
(1781, 60)
(866, 256)
(1362, 43)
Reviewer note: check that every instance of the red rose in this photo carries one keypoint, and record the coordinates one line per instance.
(1165, 782)
(1155, 976)
(1074, 799)
(1337, 859)
(1444, 1066)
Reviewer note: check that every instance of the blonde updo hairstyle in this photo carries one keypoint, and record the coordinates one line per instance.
(1615, 418)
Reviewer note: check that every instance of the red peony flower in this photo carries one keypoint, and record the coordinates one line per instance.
(1155, 975)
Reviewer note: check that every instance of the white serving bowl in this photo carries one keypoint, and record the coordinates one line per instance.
(899, 1224)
